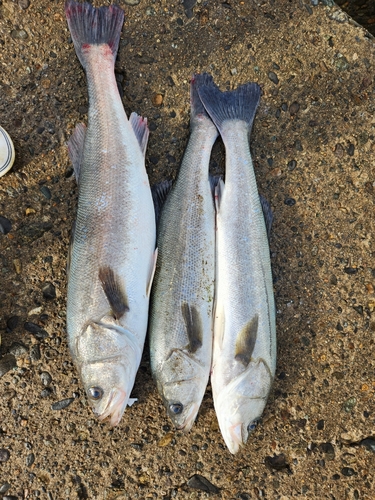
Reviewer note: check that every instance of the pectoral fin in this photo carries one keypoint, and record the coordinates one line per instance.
(152, 272)
(246, 341)
(193, 326)
(113, 291)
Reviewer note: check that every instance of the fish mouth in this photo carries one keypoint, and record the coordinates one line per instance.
(115, 407)
(234, 439)
(189, 419)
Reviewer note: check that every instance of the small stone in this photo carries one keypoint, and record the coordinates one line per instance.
(320, 425)
(349, 404)
(7, 362)
(351, 149)
(294, 108)
(328, 449)
(351, 437)
(17, 266)
(339, 150)
(277, 462)
(45, 192)
(45, 393)
(49, 291)
(199, 482)
(30, 211)
(4, 488)
(166, 440)
(333, 280)
(38, 332)
(35, 353)
(46, 378)
(19, 35)
(273, 77)
(45, 83)
(292, 165)
(342, 63)
(350, 270)
(30, 459)
(5, 225)
(157, 99)
(348, 471)
(132, 2)
(370, 288)
(12, 323)
(233, 71)
(61, 405)
(290, 202)
(24, 4)
(368, 443)
(18, 349)
(4, 455)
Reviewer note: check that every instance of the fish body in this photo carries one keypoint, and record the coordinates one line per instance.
(244, 351)
(181, 319)
(112, 255)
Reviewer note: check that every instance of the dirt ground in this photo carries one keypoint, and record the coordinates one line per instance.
(313, 145)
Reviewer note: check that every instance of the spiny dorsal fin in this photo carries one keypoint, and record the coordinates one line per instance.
(246, 341)
(113, 291)
(193, 326)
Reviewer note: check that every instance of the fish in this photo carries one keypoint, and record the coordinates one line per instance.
(112, 253)
(244, 345)
(181, 311)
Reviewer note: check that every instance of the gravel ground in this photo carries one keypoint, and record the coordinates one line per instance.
(313, 144)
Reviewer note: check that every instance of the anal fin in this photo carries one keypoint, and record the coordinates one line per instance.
(76, 144)
(140, 128)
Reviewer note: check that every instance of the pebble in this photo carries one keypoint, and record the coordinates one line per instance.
(328, 449)
(17, 266)
(49, 291)
(4, 455)
(320, 425)
(12, 323)
(348, 471)
(199, 482)
(46, 392)
(351, 149)
(292, 165)
(368, 443)
(132, 2)
(273, 77)
(7, 362)
(5, 225)
(290, 202)
(350, 270)
(38, 332)
(46, 378)
(166, 440)
(157, 99)
(35, 353)
(60, 405)
(277, 462)
(19, 35)
(10, 497)
(4, 488)
(45, 192)
(18, 349)
(30, 459)
(24, 4)
(294, 108)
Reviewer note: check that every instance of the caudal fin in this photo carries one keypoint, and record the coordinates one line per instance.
(239, 104)
(93, 26)
(196, 105)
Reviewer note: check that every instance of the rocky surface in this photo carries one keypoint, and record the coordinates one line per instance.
(313, 144)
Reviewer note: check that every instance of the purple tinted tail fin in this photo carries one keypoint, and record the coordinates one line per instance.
(93, 26)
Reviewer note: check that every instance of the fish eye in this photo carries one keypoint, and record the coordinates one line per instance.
(252, 425)
(176, 408)
(95, 393)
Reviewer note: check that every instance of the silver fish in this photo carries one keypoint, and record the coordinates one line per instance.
(244, 351)
(112, 255)
(182, 297)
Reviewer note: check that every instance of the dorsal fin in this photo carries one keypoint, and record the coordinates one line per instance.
(160, 193)
(193, 326)
(245, 342)
(112, 288)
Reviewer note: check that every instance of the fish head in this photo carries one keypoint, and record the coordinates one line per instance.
(239, 406)
(108, 370)
(182, 384)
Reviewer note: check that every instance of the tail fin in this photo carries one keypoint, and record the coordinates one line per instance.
(91, 26)
(196, 105)
(239, 104)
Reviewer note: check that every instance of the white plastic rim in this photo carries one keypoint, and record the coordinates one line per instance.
(7, 154)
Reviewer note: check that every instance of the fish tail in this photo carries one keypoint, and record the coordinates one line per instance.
(239, 104)
(196, 106)
(93, 26)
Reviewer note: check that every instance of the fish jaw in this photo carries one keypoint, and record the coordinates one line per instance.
(188, 420)
(115, 407)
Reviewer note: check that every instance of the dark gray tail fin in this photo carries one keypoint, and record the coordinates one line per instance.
(197, 81)
(91, 26)
(239, 104)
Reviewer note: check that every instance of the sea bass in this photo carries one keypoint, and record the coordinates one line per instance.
(244, 351)
(112, 255)
(181, 319)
